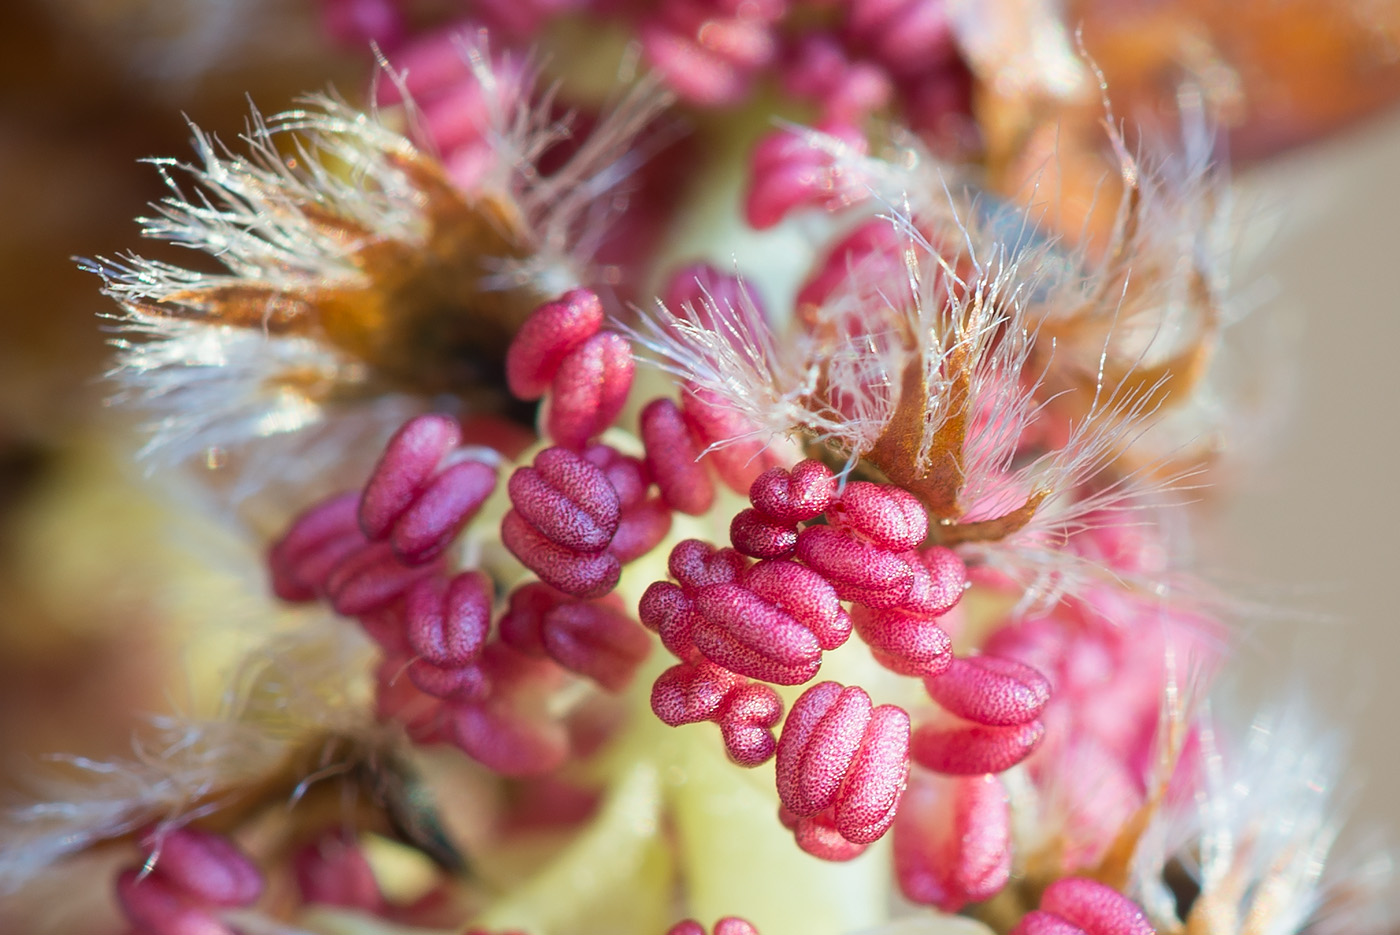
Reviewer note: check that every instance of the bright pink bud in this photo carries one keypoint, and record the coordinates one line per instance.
(566, 499)
(952, 840)
(446, 620)
(1088, 906)
(990, 690)
(836, 752)
(674, 459)
(551, 333)
(910, 644)
(969, 749)
(756, 535)
(409, 462)
(371, 578)
(738, 455)
(859, 570)
(796, 496)
(206, 867)
(581, 574)
(445, 506)
(589, 389)
(316, 542)
(883, 514)
(333, 871)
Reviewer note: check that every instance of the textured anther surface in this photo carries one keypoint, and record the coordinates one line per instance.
(990, 690)
(952, 840)
(969, 749)
(447, 503)
(547, 337)
(446, 620)
(673, 458)
(1078, 904)
(796, 496)
(567, 499)
(409, 462)
(582, 574)
(589, 389)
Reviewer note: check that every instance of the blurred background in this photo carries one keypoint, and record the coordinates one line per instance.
(94, 562)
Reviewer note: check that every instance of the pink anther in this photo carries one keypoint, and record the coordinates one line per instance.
(990, 690)
(582, 574)
(673, 458)
(754, 534)
(567, 499)
(447, 619)
(883, 514)
(552, 332)
(796, 496)
(315, 543)
(967, 749)
(952, 840)
(731, 443)
(859, 570)
(1086, 906)
(438, 515)
(404, 470)
(910, 644)
(333, 871)
(589, 389)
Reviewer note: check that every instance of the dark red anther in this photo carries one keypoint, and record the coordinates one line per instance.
(446, 620)
(578, 573)
(551, 333)
(589, 389)
(668, 611)
(567, 499)
(628, 476)
(446, 504)
(746, 711)
(641, 529)
(371, 578)
(730, 442)
(673, 458)
(695, 564)
(404, 470)
(596, 639)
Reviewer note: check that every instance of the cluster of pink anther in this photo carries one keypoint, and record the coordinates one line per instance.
(578, 513)
(766, 610)
(190, 879)
(853, 59)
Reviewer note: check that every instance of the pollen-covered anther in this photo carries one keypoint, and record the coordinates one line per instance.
(952, 840)
(644, 520)
(881, 513)
(447, 619)
(408, 463)
(907, 643)
(589, 389)
(837, 753)
(441, 511)
(758, 536)
(772, 624)
(1075, 905)
(582, 574)
(551, 333)
(673, 458)
(709, 50)
(990, 690)
(745, 711)
(792, 171)
(371, 578)
(796, 496)
(860, 570)
(195, 874)
(595, 639)
(567, 499)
